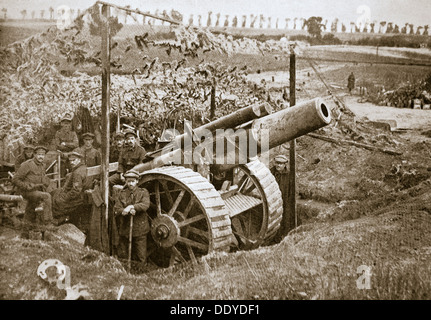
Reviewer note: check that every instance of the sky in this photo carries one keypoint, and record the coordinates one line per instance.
(397, 11)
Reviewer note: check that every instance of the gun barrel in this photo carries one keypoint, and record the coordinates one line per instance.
(232, 120)
(291, 123)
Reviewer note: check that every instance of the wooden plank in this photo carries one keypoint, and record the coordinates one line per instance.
(96, 170)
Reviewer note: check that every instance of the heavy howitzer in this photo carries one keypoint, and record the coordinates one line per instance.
(237, 201)
(203, 201)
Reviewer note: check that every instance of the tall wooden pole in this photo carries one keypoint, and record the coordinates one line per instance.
(213, 99)
(106, 83)
(292, 150)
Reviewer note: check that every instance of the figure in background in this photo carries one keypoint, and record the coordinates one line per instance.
(65, 140)
(351, 82)
(131, 155)
(26, 154)
(116, 147)
(92, 156)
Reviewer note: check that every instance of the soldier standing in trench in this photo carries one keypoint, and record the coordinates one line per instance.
(133, 201)
(281, 173)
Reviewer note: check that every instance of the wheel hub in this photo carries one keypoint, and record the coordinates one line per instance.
(165, 231)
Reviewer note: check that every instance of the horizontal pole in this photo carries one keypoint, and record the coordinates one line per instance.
(139, 12)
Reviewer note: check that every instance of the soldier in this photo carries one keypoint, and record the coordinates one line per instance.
(351, 82)
(133, 201)
(65, 140)
(25, 155)
(69, 201)
(131, 155)
(281, 173)
(92, 156)
(32, 183)
(117, 146)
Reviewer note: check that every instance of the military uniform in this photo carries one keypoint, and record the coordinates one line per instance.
(114, 151)
(282, 178)
(31, 182)
(65, 140)
(70, 138)
(128, 158)
(70, 199)
(140, 199)
(23, 157)
(92, 156)
(114, 154)
(351, 82)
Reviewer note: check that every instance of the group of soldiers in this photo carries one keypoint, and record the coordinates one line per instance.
(49, 206)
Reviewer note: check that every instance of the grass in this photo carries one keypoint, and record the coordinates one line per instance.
(317, 261)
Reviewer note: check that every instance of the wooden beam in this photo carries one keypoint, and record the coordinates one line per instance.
(96, 170)
(292, 152)
(106, 83)
(139, 12)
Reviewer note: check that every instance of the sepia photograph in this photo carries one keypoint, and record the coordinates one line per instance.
(220, 157)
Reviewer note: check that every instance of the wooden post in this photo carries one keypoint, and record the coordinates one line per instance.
(292, 151)
(58, 168)
(106, 83)
(213, 101)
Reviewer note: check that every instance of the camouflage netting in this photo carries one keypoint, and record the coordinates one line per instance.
(151, 94)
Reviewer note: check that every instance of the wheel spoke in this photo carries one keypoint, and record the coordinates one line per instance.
(250, 189)
(177, 253)
(158, 204)
(193, 243)
(168, 193)
(197, 231)
(177, 202)
(244, 183)
(191, 220)
(189, 207)
(191, 254)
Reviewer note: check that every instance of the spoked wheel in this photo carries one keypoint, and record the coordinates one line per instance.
(187, 215)
(256, 207)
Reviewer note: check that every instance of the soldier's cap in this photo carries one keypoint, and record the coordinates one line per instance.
(132, 174)
(118, 135)
(28, 146)
(66, 117)
(88, 135)
(281, 158)
(40, 148)
(128, 131)
(75, 154)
